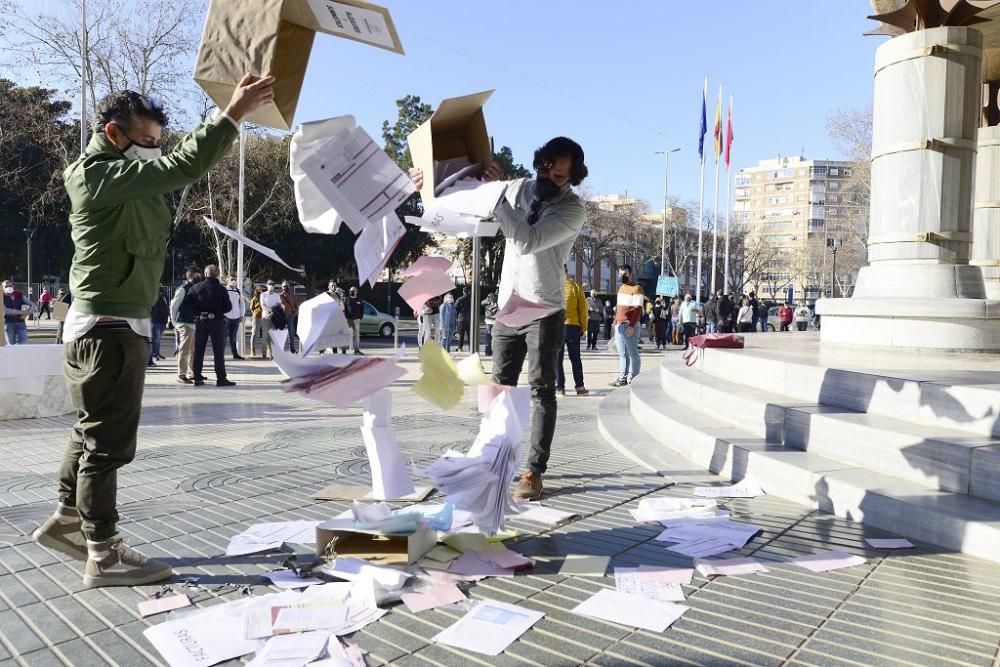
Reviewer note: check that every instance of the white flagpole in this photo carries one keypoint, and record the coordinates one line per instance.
(701, 198)
(241, 342)
(715, 210)
(729, 201)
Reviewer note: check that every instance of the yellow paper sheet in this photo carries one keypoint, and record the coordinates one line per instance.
(470, 371)
(440, 383)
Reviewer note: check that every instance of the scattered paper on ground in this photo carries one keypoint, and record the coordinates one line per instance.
(489, 628)
(548, 516)
(889, 543)
(160, 605)
(269, 536)
(296, 649)
(629, 580)
(729, 567)
(632, 610)
(748, 488)
(828, 560)
(288, 579)
(585, 566)
(435, 596)
(664, 508)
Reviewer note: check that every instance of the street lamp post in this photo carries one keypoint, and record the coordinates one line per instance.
(834, 244)
(663, 233)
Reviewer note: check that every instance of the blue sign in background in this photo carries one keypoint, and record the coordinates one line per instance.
(666, 286)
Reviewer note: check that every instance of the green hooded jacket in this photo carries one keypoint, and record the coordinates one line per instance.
(119, 222)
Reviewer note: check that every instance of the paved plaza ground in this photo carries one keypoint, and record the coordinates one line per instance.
(213, 461)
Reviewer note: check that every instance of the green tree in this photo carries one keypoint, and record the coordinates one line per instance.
(37, 142)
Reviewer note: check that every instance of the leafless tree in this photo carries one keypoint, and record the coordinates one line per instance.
(146, 47)
(599, 237)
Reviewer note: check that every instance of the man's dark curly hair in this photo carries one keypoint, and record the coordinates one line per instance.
(124, 107)
(562, 147)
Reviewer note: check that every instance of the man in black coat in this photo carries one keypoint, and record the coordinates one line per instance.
(464, 313)
(210, 302)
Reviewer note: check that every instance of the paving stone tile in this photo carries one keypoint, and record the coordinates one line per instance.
(17, 635)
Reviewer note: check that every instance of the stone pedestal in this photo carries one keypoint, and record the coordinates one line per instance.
(920, 289)
(986, 217)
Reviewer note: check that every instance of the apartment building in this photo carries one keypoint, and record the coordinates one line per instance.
(792, 205)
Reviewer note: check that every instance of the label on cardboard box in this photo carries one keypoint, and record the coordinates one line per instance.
(358, 23)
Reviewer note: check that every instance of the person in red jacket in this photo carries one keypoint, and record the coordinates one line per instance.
(785, 316)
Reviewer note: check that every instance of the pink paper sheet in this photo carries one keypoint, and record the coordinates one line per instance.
(518, 312)
(436, 596)
(160, 605)
(427, 263)
(416, 291)
(340, 387)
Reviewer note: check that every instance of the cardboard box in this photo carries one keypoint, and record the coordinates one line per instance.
(275, 37)
(456, 129)
(370, 545)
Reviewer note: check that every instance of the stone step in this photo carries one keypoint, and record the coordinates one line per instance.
(934, 456)
(935, 397)
(951, 520)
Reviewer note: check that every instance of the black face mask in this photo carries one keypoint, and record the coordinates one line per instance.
(545, 188)
(625, 278)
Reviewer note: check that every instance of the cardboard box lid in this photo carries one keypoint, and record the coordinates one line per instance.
(373, 546)
(457, 128)
(275, 37)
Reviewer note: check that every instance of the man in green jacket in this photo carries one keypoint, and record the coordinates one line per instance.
(120, 226)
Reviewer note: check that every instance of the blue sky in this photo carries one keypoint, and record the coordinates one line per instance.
(624, 79)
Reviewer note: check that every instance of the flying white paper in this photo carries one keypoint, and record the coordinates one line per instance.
(390, 476)
(253, 245)
(322, 324)
(375, 246)
(358, 180)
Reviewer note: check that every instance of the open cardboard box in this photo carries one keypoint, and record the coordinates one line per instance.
(370, 545)
(275, 37)
(456, 129)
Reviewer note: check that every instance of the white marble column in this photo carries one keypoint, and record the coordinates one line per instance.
(986, 218)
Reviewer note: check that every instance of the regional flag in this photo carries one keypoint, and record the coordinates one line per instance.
(729, 132)
(718, 126)
(704, 124)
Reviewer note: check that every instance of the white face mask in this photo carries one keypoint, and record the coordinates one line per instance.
(137, 152)
(8, 290)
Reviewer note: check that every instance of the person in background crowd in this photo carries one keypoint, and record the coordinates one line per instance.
(270, 302)
(120, 224)
(256, 332)
(45, 300)
(627, 317)
(427, 321)
(355, 312)
(802, 314)
(661, 316)
(449, 321)
(234, 318)
(689, 312)
(490, 310)
(15, 312)
(463, 312)
(576, 316)
(290, 306)
(745, 316)
(726, 308)
(337, 295)
(712, 315)
(595, 317)
(785, 316)
(159, 316)
(650, 323)
(754, 304)
(609, 319)
(210, 302)
(763, 309)
(676, 330)
(183, 318)
(63, 296)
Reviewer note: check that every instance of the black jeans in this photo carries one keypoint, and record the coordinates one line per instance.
(105, 374)
(489, 340)
(544, 338)
(232, 328)
(463, 334)
(572, 338)
(690, 330)
(215, 330)
(593, 331)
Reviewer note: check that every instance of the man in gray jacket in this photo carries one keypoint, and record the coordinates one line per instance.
(540, 218)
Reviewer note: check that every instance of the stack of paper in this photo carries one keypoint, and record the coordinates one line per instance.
(489, 628)
(462, 205)
(390, 476)
(339, 380)
(269, 536)
(322, 324)
(479, 482)
(358, 180)
(701, 539)
(664, 508)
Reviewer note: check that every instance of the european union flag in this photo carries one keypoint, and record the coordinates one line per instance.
(704, 128)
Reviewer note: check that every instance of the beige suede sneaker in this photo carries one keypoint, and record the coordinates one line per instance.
(122, 565)
(63, 536)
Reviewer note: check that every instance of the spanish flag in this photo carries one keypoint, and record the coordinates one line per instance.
(718, 126)
(729, 133)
